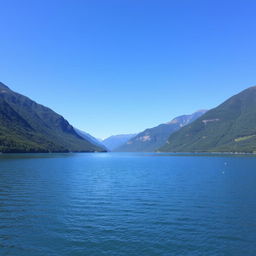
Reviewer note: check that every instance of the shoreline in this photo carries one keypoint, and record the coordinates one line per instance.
(146, 153)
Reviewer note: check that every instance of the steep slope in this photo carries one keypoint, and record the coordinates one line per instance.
(116, 141)
(230, 127)
(90, 138)
(26, 126)
(151, 139)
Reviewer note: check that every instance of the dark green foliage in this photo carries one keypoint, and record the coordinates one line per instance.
(228, 128)
(26, 126)
(151, 139)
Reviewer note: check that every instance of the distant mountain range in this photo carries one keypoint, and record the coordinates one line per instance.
(90, 138)
(230, 127)
(115, 141)
(26, 126)
(153, 138)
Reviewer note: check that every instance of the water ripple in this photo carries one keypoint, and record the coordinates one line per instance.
(127, 205)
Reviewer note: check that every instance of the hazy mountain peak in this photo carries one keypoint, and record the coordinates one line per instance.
(185, 119)
(90, 138)
(3, 87)
(151, 139)
(115, 141)
(230, 127)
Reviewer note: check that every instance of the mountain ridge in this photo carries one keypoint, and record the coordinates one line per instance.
(230, 127)
(90, 138)
(115, 141)
(26, 126)
(152, 138)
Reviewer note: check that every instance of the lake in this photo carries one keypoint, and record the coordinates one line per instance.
(122, 204)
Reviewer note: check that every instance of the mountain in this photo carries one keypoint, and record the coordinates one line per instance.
(230, 127)
(153, 138)
(116, 141)
(90, 138)
(26, 126)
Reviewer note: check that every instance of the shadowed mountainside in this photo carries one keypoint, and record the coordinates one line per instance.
(26, 126)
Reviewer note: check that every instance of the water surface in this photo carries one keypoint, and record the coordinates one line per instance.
(127, 204)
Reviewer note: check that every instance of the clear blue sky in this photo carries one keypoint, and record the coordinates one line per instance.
(121, 66)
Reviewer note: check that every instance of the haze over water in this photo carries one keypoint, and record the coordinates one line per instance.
(127, 204)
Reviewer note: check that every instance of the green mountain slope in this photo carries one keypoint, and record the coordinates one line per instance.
(230, 127)
(26, 126)
(151, 139)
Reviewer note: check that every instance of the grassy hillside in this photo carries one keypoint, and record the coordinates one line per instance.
(26, 126)
(230, 127)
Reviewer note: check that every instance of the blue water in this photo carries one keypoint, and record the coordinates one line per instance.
(127, 204)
